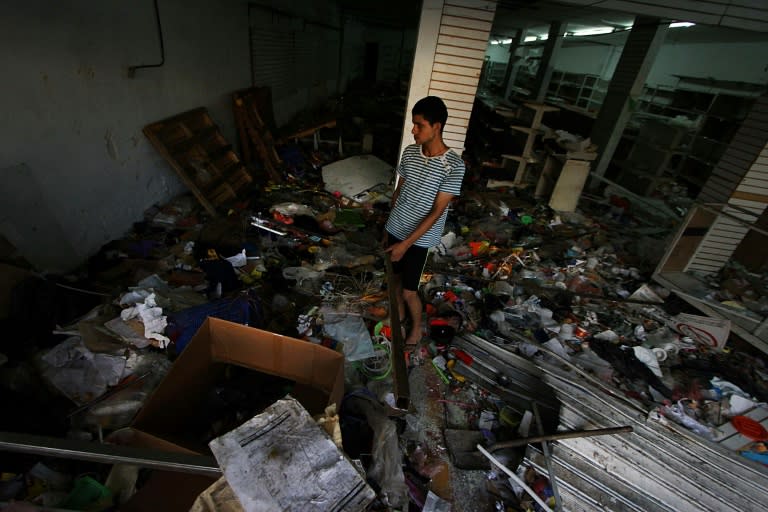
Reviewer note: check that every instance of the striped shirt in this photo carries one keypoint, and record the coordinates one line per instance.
(424, 177)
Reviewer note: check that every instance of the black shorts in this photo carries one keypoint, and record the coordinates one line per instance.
(411, 265)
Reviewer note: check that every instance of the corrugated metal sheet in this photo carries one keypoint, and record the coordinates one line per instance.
(288, 52)
(659, 467)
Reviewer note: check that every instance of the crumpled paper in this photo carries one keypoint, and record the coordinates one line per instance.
(151, 315)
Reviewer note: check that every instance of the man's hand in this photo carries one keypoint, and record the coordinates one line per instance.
(396, 251)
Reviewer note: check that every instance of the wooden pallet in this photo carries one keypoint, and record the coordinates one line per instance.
(192, 143)
(256, 138)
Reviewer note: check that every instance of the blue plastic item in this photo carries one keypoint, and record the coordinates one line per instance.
(243, 309)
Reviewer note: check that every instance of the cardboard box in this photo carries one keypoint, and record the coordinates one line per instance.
(318, 373)
(154, 492)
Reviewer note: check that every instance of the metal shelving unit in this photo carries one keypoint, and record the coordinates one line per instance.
(706, 240)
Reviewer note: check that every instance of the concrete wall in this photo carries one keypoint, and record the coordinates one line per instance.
(396, 47)
(77, 170)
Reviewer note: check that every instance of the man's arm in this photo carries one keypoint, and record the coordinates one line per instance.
(442, 200)
(396, 193)
(392, 202)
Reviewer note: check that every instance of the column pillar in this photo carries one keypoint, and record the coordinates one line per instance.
(449, 56)
(642, 46)
(551, 49)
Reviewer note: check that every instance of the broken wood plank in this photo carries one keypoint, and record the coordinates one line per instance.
(255, 134)
(399, 370)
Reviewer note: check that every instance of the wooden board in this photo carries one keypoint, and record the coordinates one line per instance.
(569, 185)
(252, 109)
(193, 145)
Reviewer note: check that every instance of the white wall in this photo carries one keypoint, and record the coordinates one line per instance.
(498, 52)
(72, 147)
(592, 60)
(740, 62)
(736, 61)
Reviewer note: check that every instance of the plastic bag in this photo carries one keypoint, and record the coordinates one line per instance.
(352, 332)
(386, 458)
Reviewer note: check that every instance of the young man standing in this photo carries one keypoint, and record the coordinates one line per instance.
(430, 175)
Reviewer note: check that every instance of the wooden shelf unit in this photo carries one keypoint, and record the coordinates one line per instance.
(531, 131)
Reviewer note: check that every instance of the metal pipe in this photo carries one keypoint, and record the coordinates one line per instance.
(519, 481)
(548, 460)
(108, 453)
(569, 434)
(132, 69)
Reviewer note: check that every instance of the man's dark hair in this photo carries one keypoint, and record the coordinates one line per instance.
(432, 109)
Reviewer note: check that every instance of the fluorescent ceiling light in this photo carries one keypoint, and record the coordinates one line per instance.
(528, 39)
(593, 31)
(501, 41)
(681, 24)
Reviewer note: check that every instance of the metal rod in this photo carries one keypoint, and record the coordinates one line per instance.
(548, 459)
(516, 478)
(108, 453)
(569, 434)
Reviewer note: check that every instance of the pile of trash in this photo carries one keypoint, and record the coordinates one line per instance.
(512, 286)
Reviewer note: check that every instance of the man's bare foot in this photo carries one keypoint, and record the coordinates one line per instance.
(413, 339)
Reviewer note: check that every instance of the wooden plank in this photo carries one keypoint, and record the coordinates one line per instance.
(200, 137)
(751, 196)
(151, 132)
(242, 133)
(399, 370)
(568, 188)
